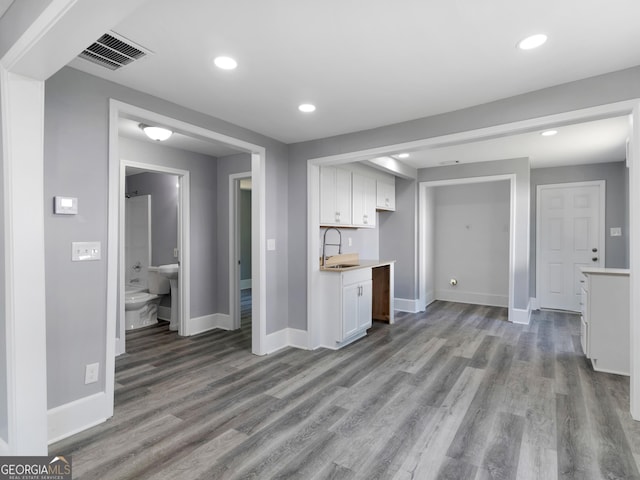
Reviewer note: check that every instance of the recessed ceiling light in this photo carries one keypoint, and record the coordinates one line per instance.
(403, 155)
(549, 133)
(158, 134)
(534, 41)
(225, 63)
(307, 108)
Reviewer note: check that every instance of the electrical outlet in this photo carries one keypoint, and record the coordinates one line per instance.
(91, 373)
(175, 253)
(350, 241)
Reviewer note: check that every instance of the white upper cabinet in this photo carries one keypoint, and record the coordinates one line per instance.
(335, 196)
(364, 201)
(386, 195)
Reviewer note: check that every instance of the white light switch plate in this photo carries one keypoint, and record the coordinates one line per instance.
(85, 251)
(271, 244)
(615, 232)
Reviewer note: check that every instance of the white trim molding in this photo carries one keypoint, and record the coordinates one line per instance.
(210, 322)
(473, 298)
(407, 305)
(533, 302)
(76, 416)
(520, 315)
(287, 337)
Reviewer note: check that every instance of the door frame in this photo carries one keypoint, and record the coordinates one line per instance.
(425, 226)
(234, 246)
(184, 243)
(602, 237)
(258, 226)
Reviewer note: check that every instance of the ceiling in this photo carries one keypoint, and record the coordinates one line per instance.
(365, 63)
(579, 144)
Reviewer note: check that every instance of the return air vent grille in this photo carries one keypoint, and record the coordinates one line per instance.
(113, 53)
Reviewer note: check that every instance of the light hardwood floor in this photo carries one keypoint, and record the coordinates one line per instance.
(455, 392)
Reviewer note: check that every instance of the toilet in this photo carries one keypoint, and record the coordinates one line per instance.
(141, 304)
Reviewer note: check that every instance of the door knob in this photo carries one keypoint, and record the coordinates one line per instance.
(595, 259)
(594, 250)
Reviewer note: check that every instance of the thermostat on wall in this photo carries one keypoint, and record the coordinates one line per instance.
(65, 205)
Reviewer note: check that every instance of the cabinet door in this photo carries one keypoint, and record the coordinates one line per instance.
(364, 201)
(350, 301)
(385, 196)
(343, 196)
(365, 305)
(335, 196)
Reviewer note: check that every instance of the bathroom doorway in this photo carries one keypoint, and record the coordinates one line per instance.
(151, 230)
(240, 268)
(167, 192)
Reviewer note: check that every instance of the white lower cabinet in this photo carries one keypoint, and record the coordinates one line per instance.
(345, 306)
(604, 326)
(357, 294)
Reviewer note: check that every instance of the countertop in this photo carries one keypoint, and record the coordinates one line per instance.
(362, 264)
(605, 271)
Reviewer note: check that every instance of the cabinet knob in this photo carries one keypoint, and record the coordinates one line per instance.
(594, 250)
(595, 259)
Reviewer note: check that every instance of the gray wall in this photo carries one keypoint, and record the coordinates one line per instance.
(226, 166)
(204, 234)
(397, 233)
(616, 177)
(472, 242)
(599, 90)
(519, 167)
(245, 234)
(4, 414)
(76, 164)
(164, 211)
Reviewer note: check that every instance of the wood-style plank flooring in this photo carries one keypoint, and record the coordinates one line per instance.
(455, 392)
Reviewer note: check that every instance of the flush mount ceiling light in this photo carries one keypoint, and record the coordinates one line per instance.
(549, 133)
(533, 41)
(225, 63)
(307, 108)
(158, 134)
(403, 155)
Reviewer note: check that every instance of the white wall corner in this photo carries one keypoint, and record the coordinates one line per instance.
(520, 315)
(4, 448)
(407, 305)
(76, 416)
(209, 322)
(533, 303)
(287, 337)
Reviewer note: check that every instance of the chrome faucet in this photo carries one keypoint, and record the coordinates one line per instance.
(324, 243)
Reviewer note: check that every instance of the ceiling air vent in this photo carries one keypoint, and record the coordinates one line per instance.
(113, 51)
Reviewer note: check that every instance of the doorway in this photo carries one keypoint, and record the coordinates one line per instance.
(570, 234)
(176, 249)
(240, 261)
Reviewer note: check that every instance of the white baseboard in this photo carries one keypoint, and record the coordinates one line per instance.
(76, 416)
(244, 284)
(407, 305)
(209, 322)
(520, 315)
(473, 298)
(164, 313)
(533, 302)
(287, 337)
(4, 448)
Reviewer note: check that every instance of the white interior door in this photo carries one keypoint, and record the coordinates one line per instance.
(570, 226)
